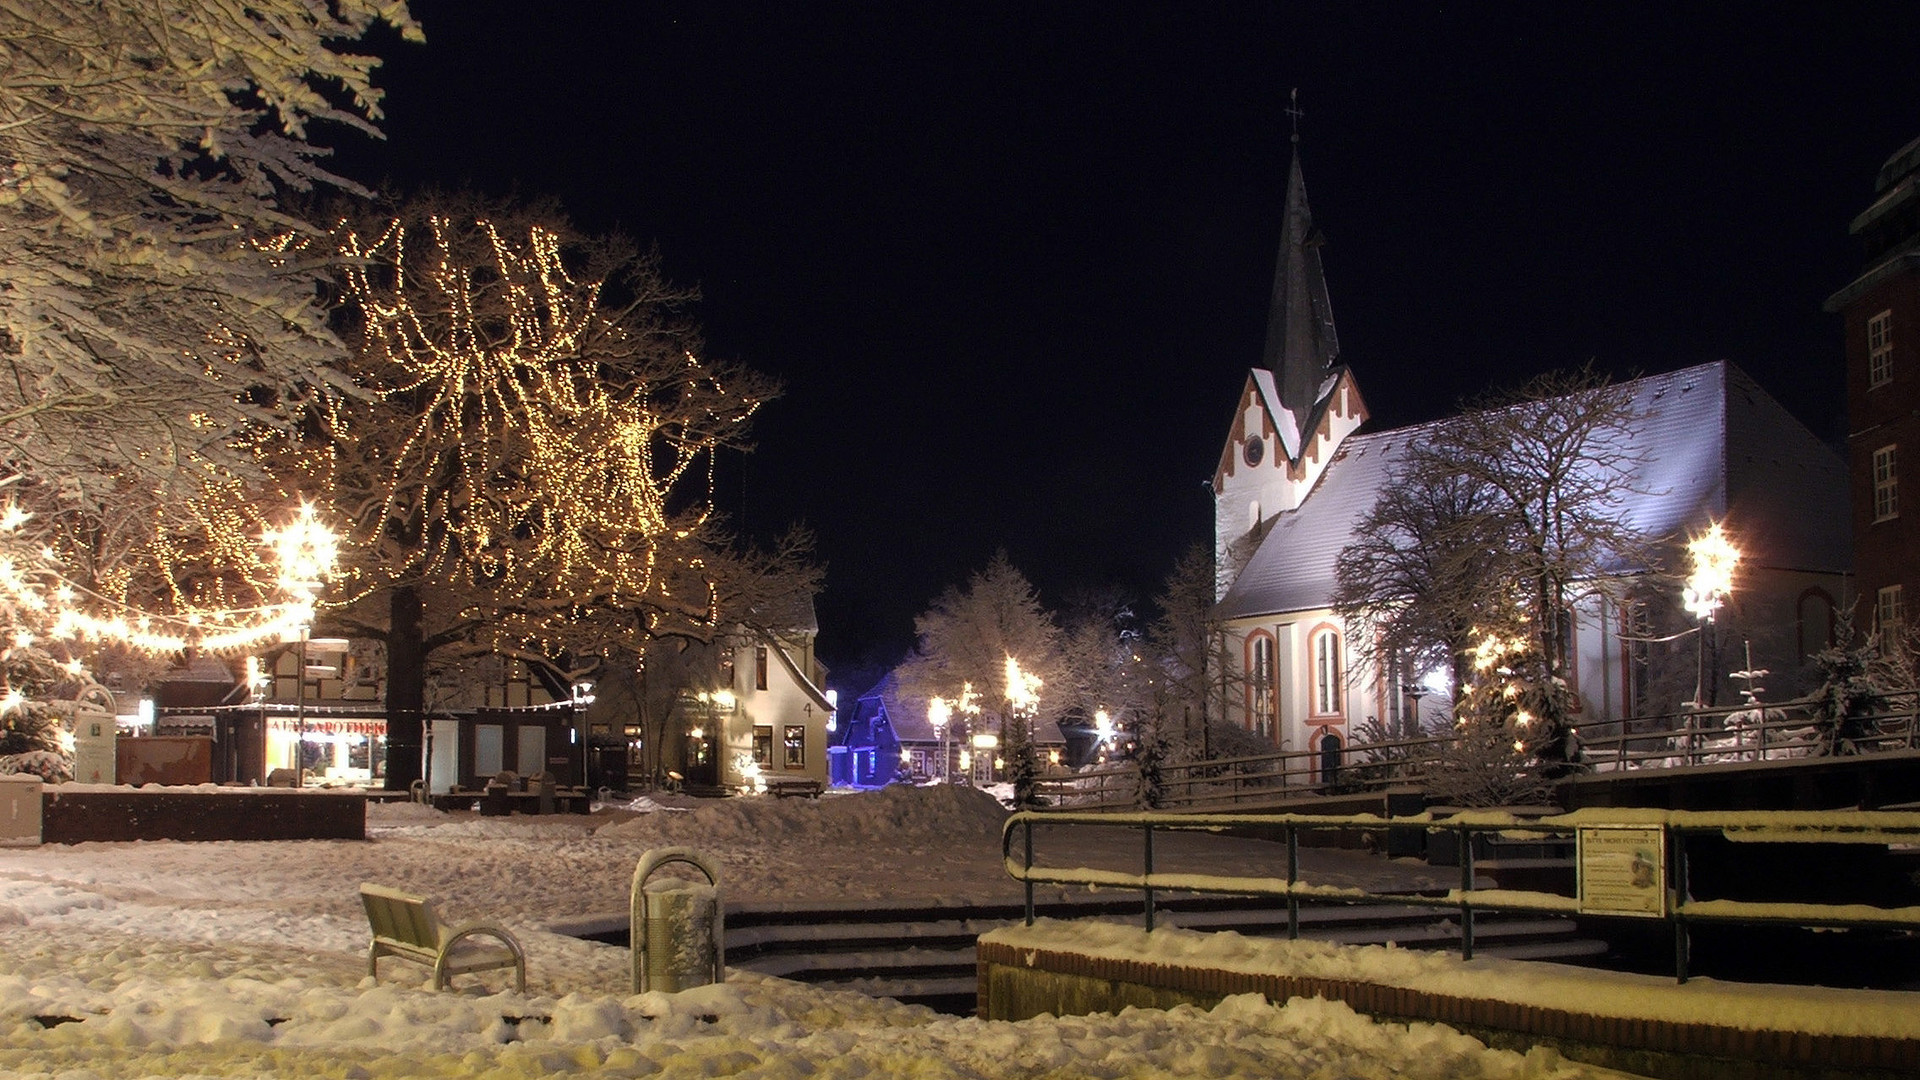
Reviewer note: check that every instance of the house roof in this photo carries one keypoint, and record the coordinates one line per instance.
(1716, 446)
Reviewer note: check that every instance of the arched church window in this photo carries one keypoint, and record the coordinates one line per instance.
(1327, 676)
(1261, 687)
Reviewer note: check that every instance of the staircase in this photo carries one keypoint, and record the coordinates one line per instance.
(925, 954)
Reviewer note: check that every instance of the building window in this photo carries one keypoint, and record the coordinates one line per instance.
(1326, 672)
(763, 744)
(759, 667)
(1880, 349)
(1889, 615)
(796, 746)
(1886, 483)
(1260, 687)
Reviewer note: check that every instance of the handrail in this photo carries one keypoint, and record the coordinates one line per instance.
(1676, 906)
(1721, 735)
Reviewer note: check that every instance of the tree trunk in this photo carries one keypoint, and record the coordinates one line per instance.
(406, 688)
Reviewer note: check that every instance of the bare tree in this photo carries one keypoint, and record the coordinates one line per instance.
(1490, 532)
(1428, 569)
(966, 639)
(145, 325)
(529, 470)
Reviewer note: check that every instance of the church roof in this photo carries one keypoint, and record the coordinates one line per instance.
(1302, 346)
(1716, 446)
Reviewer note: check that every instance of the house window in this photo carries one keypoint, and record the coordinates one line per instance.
(1260, 688)
(1326, 672)
(759, 667)
(1886, 483)
(1880, 349)
(1889, 614)
(763, 744)
(796, 746)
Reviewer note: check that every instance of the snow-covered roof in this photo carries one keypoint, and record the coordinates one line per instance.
(1716, 446)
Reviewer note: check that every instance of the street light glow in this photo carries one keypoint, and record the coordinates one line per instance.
(1714, 558)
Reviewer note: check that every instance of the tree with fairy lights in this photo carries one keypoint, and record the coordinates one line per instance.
(150, 337)
(994, 639)
(529, 470)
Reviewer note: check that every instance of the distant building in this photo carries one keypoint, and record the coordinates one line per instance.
(1295, 476)
(1881, 312)
(885, 736)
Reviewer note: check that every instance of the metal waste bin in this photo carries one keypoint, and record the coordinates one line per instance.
(19, 810)
(676, 931)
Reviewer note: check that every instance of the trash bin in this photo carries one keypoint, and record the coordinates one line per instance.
(19, 810)
(677, 930)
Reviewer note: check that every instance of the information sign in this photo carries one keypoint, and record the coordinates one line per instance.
(1623, 870)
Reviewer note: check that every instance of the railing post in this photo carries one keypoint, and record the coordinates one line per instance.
(1466, 886)
(1293, 878)
(1682, 936)
(1149, 873)
(1028, 876)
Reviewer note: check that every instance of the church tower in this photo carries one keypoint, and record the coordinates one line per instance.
(1296, 408)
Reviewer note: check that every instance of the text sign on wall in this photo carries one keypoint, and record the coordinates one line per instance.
(1623, 870)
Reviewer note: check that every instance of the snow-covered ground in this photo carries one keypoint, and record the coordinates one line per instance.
(232, 959)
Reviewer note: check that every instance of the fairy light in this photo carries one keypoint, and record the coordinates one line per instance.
(505, 363)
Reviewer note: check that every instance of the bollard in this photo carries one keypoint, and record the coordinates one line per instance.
(676, 928)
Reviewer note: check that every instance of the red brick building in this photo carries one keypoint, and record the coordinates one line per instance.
(1881, 308)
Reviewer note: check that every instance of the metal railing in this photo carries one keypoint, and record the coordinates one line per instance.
(1755, 733)
(1676, 905)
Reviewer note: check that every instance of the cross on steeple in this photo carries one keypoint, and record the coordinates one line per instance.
(1293, 110)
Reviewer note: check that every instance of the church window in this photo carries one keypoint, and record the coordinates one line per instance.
(1326, 672)
(1886, 483)
(1815, 622)
(759, 667)
(1255, 450)
(1889, 614)
(1260, 685)
(1880, 349)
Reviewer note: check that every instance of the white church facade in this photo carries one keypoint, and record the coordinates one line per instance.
(1297, 474)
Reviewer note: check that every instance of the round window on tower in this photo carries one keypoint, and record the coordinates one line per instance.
(1254, 449)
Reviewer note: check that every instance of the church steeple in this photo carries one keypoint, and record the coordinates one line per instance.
(1301, 344)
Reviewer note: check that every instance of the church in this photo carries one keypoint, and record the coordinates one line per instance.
(1298, 472)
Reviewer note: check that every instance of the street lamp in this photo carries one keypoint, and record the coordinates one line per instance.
(939, 712)
(1714, 558)
(305, 550)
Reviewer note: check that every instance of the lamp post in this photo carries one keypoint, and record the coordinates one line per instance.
(305, 550)
(939, 712)
(1714, 558)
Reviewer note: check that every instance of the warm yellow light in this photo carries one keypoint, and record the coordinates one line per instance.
(1714, 558)
(1023, 688)
(305, 549)
(939, 712)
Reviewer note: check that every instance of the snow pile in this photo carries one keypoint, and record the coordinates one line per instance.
(947, 812)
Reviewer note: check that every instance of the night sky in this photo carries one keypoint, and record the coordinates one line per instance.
(1012, 260)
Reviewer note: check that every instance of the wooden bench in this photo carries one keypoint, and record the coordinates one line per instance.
(405, 926)
(802, 787)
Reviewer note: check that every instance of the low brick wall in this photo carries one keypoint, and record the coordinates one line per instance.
(1019, 982)
(77, 816)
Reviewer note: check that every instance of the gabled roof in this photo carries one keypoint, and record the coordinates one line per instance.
(1716, 447)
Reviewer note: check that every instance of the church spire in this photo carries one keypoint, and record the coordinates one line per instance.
(1301, 344)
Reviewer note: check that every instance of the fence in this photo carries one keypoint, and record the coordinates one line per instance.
(1697, 737)
(1615, 848)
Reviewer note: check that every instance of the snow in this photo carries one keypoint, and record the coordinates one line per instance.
(230, 959)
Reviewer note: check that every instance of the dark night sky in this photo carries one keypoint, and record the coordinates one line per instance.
(1012, 260)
